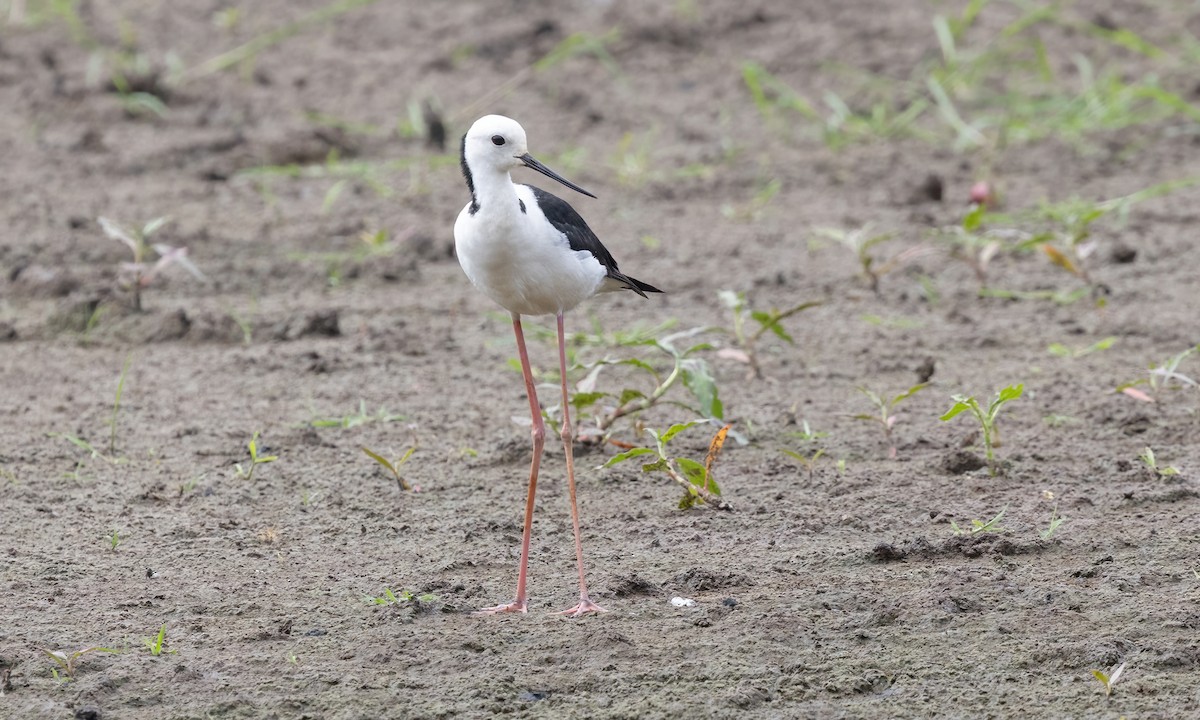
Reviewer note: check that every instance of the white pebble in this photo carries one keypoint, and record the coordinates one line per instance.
(683, 602)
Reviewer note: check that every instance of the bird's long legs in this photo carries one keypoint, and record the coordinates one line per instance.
(539, 441)
(585, 605)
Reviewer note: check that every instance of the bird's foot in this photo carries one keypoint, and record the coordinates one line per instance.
(516, 606)
(584, 607)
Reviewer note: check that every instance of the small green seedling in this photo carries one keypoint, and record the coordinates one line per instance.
(979, 526)
(768, 321)
(142, 273)
(112, 422)
(68, 662)
(1168, 371)
(971, 244)
(1055, 521)
(1108, 680)
(696, 478)
(157, 644)
(394, 467)
(1151, 463)
(987, 419)
(806, 433)
(255, 458)
(808, 461)
(1161, 376)
(753, 208)
(1063, 351)
(362, 417)
(114, 540)
(885, 417)
(861, 242)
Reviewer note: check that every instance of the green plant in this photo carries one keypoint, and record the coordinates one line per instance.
(768, 321)
(1109, 679)
(69, 662)
(1066, 234)
(394, 467)
(114, 540)
(987, 419)
(861, 242)
(362, 417)
(1151, 463)
(808, 461)
(1055, 521)
(696, 478)
(885, 417)
(142, 272)
(370, 246)
(157, 644)
(1161, 376)
(1060, 350)
(971, 244)
(694, 372)
(112, 422)
(806, 433)
(752, 209)
(255, 459)
(245, 54)
(979, 526)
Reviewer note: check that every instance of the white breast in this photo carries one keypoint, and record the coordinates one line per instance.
(521, 261)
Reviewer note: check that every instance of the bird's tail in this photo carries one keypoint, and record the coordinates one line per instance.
(633, 284)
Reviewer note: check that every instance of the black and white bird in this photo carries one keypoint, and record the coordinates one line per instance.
(533, 254)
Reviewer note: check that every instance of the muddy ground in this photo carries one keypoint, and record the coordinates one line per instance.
(840, 593)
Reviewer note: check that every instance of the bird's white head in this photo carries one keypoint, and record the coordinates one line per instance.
(497, 144)
(494, 142)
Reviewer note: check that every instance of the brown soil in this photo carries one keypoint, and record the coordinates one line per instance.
(843, 593)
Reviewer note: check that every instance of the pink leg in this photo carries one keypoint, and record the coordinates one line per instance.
(539, 441)
(585, 605)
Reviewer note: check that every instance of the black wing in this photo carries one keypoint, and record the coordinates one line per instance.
(566, 220)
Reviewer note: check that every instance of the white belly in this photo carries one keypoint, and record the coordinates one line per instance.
(522, 262)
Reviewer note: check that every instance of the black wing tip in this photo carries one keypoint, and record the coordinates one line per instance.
(638, 286)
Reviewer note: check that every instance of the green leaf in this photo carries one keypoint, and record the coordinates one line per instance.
(583, 399)
(678, 428)
(639, 364)
(651, 467)
(629, 394)
(871, 396)
(693, 471)
(954, 411)
(697, 377)
(1059, 349)
(909, 393)
(770, 321)
(379, 459)
(974, 219)
(622, 457)
(1012, 392)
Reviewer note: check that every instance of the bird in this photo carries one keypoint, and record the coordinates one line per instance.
(532, 254)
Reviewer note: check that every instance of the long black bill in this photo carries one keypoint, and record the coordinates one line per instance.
(533, 164)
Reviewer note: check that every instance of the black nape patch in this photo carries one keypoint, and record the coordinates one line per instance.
(466, 171)
(522, 204)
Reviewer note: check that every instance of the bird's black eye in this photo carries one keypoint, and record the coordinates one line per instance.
(497, 139)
